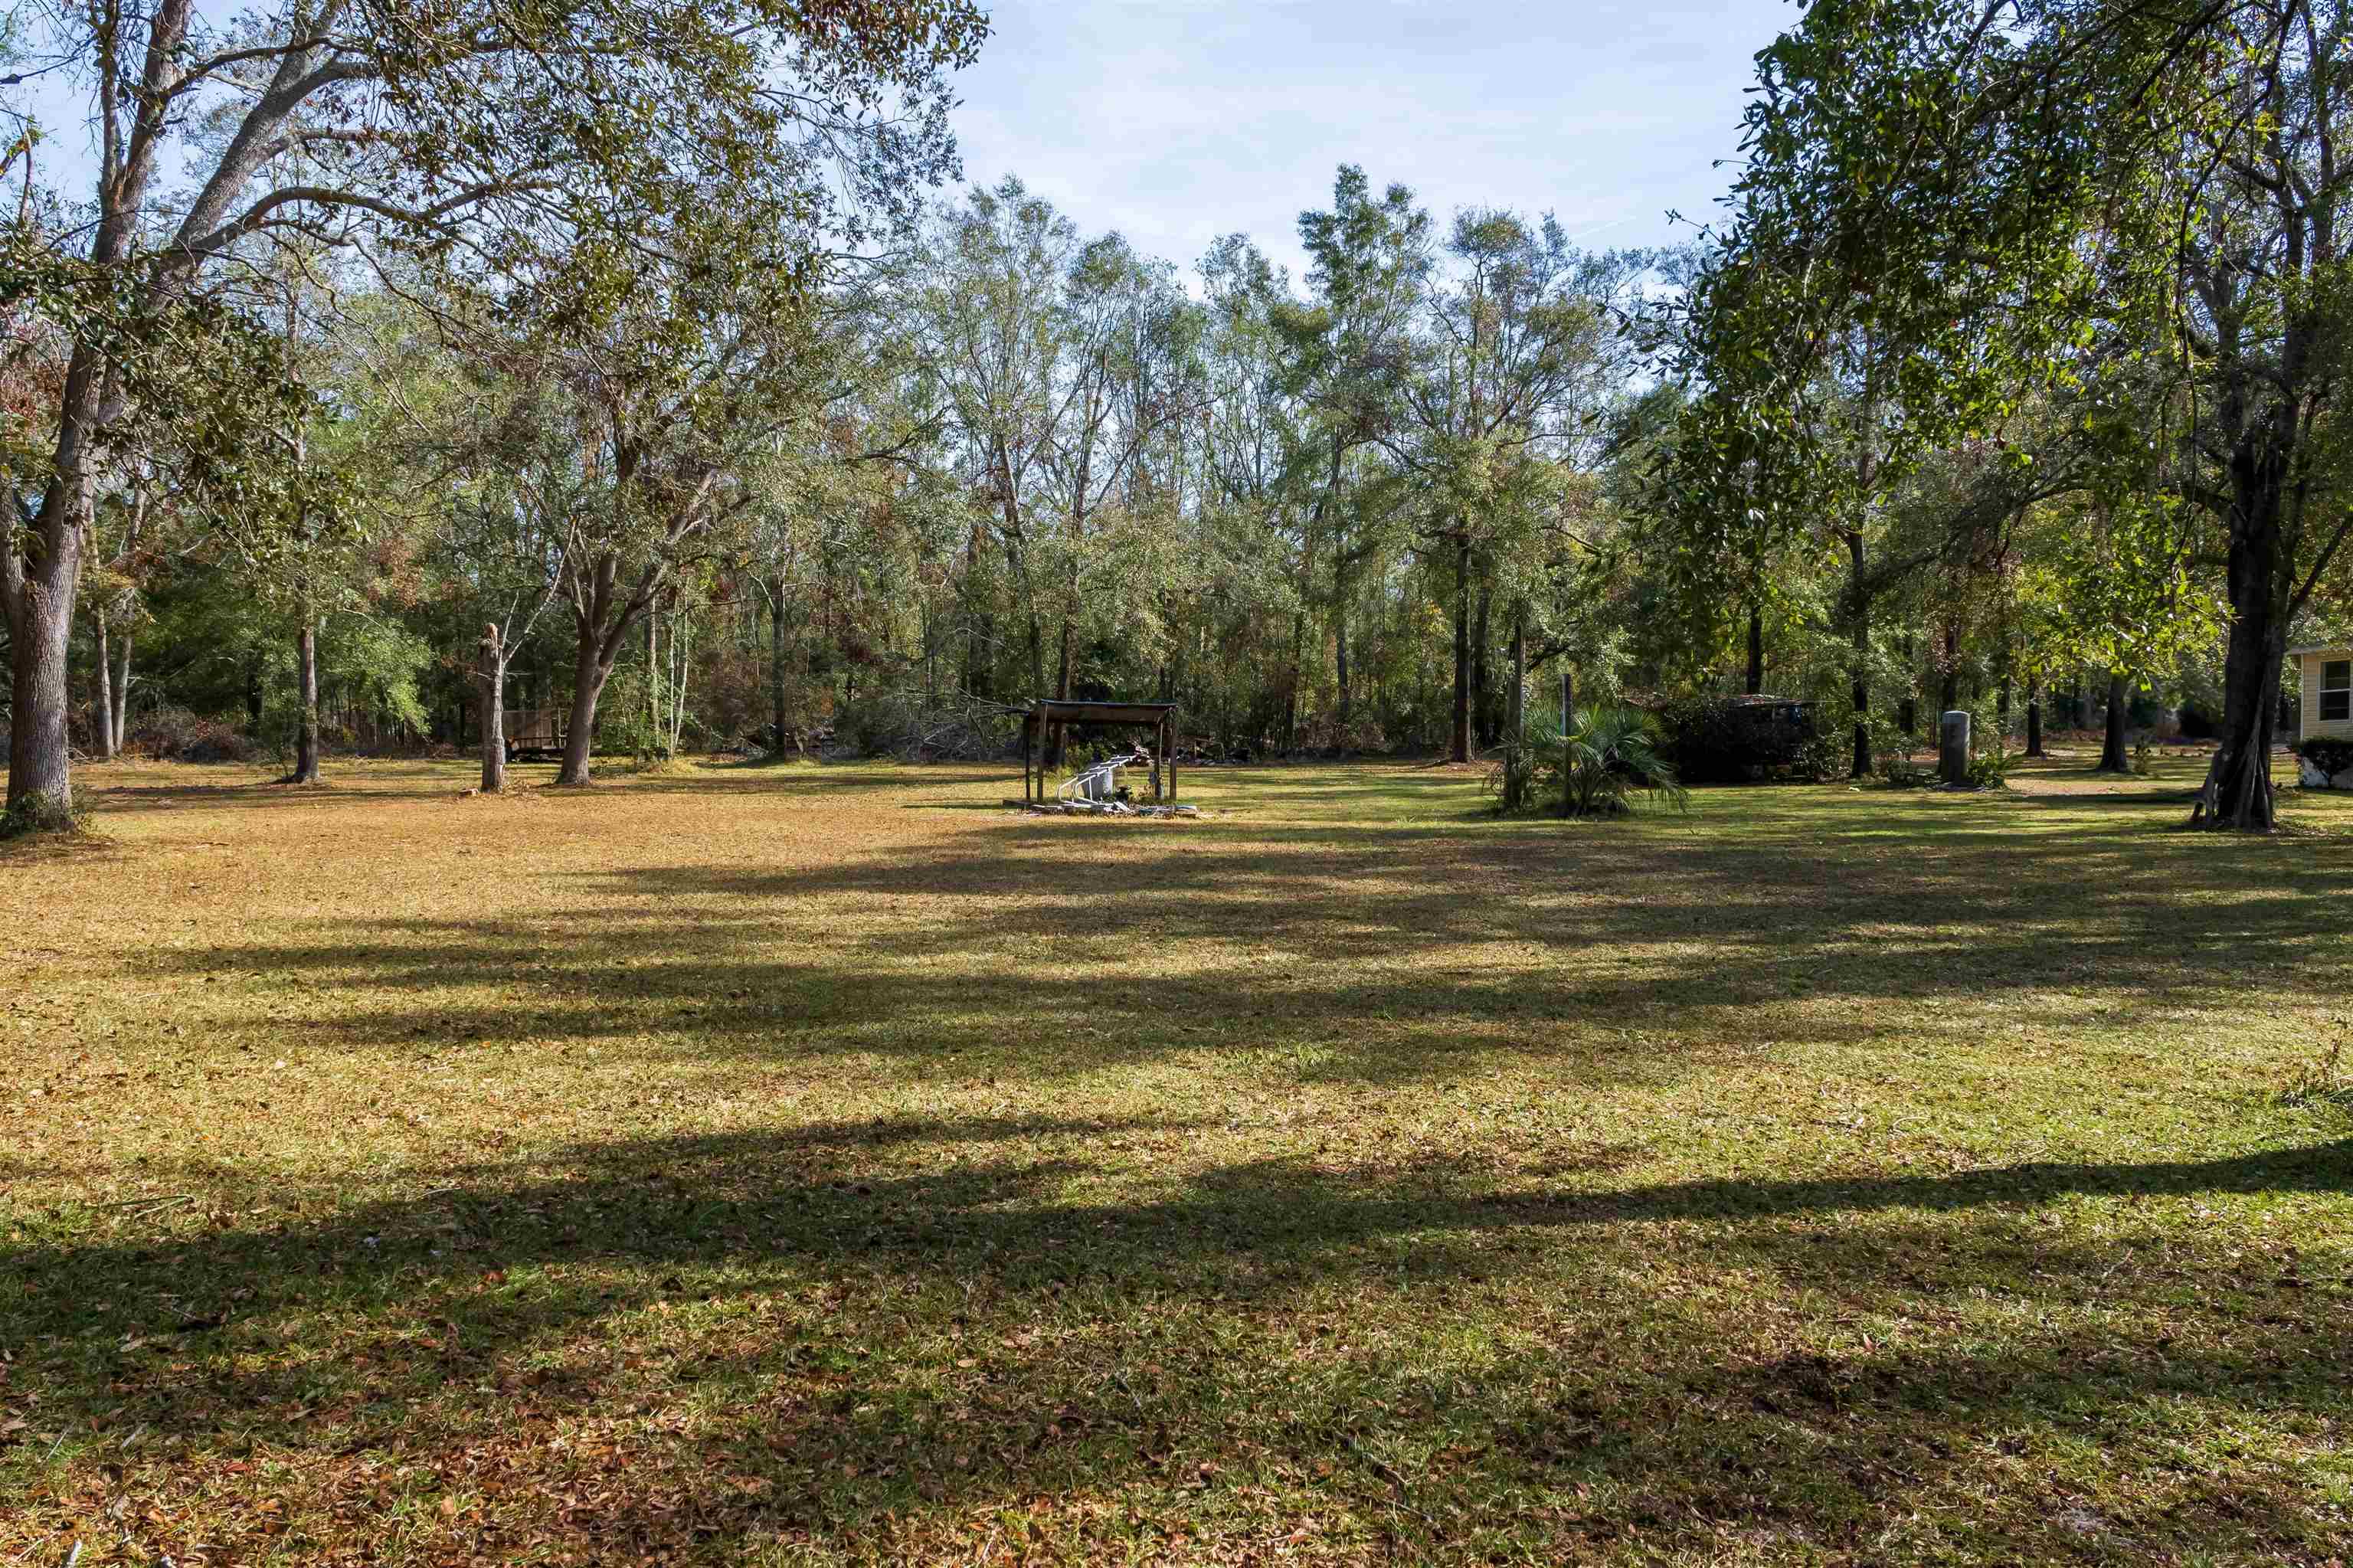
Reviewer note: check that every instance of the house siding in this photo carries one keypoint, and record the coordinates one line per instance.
(2308, 722)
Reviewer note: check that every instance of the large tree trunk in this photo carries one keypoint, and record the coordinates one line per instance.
(41, 568)
(1058, 738)
(592, 666)
(2238, 788)
(1860, 607)
(596, 646)
(1756, 682)
(102, 697)
(1458, 742)
(2113, 758)
(40, 779)
(494, 696)
(2034, 719)
(306, 729)
(122, 693)
(39, 594)
(589, 676)
(1515, 783)
(1487, 726)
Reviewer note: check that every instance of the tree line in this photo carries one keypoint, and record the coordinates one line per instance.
(642, 362)
(2060, 283)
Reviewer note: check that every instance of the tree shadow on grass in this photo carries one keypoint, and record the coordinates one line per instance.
(863, 1336)
(1398, 951)
(259, 794)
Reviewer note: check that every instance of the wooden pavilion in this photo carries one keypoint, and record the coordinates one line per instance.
(1158, 717)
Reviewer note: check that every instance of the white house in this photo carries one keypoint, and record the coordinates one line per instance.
(2328, 708)
(2327, 691)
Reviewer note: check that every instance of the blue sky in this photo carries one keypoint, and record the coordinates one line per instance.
(1174, 122)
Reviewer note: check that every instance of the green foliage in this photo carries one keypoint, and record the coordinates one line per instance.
(42, 814)
(2112, 584)
(626, 723)
(1990, 768)
(2330, 754)
(200, 378)
(1613, 757)
(1824, 755)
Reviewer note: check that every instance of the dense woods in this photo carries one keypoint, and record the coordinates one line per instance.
(711, 413)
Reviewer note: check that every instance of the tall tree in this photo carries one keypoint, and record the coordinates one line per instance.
(477, 133)
(1345, 351)
(1510, 364)
(1994, 190)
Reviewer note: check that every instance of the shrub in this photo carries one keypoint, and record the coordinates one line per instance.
(1990, 770)
(1612, 755)
(950, 730)
(174, 735)
(44, 814)
(1902, 773)
(1987, 771)
(1720, 739)
(1823, 756)
(2330, 754)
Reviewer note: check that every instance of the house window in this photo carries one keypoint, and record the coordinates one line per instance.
(2336, 691)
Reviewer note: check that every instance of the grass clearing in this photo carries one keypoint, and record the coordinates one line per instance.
(815, 1164)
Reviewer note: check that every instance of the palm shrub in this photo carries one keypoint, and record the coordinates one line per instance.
(1614, 755)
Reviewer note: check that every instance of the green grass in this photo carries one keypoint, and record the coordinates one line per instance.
(741, 1165)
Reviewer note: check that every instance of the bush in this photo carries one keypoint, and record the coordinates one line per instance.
(1902, 773)
(1987, 771)
(1990, 770)
(175, 735)
(1824, 756)
(1723, 739)
(951, 729)
(44, 814)
(2330, 754)
(1612, 755)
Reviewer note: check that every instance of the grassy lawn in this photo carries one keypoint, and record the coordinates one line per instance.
(811, 1164)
